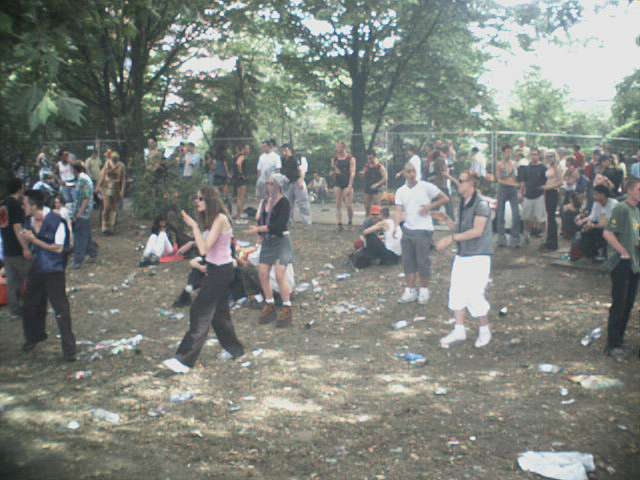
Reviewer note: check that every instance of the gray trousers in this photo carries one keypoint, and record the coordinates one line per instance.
(508, 194)
(299, 198)
(17, 269)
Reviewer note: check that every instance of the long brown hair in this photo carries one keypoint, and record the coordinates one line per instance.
(213, 206)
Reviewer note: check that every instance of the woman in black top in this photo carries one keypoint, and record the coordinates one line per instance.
(375, 178)
(343, 166)
(240, 178)
(273, 227)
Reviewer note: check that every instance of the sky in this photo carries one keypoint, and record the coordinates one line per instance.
(602, 52)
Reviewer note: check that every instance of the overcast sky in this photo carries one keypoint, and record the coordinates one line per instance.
(602, 53)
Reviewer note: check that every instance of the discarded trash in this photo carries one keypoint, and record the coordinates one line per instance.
(309, 324)
(453, 442)
(303, 287)
(114, 311)
(117, 346)
(360, 311)
(156, 413)
(181, 397)
(596, 382)
(503, 311)
(171, 315)
(568, 402)
(588, 339)
(73, 425)
(401, 275)
(419, 319)
(564, 392)
(412, 358)
(343, 276)
(224, 355)
(234, 408)
(106, 415)
(196, 433)
(548, 368)
(82, 374)
(245, 364)
(314, 282)
(441, 391)
(558, 465)
(257, 352)
(328, 266)
(400, 325)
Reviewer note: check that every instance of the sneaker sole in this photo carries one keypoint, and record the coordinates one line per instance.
(450, 344)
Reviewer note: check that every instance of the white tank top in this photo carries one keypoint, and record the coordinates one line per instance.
(390, 242)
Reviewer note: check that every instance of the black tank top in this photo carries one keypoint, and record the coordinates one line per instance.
(236, 170)
(344, 166)
(290, 168)
(372, 174)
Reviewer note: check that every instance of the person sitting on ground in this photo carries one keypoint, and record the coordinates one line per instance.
(318, 186)
(159, 243)
(388, 248)
(614, 175)
(592, 242)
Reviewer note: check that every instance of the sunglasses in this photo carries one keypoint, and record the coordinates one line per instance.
(462, 180)
(198, 198)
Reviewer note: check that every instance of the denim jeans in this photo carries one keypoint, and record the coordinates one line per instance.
(83, 243)
(508, 194)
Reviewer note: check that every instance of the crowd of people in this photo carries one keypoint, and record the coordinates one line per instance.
(597, 203)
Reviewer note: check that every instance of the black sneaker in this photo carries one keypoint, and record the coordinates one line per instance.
(184, 300)
(69, 357)
(29, 346)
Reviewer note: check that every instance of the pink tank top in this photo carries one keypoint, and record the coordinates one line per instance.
(220, 253)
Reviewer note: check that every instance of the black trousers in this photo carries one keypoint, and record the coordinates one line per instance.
(211, 306)
(551, 205)
(40, 288)
(592, 240)
(624, 285)
(374, 248)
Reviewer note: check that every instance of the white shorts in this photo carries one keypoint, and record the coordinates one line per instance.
(533, 210)
(469, 279)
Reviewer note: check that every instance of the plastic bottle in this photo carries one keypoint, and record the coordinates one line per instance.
(400, 324)
(107, 416)
(181, 397)
(588, 339)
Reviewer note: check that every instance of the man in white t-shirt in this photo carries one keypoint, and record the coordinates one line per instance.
(64, 169)
(191, 160)
(269, 162)
(414, 202)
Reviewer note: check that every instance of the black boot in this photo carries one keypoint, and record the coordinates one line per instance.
(184, 300)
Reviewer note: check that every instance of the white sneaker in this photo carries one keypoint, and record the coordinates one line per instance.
(423, 296)
(224, 356)
(458, 334)
(176, 366)
(409, 295)
(484, 337)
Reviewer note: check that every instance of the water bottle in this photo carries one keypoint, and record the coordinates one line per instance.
(588, 339)
(181, 397)
(400, 324)
(107, 416)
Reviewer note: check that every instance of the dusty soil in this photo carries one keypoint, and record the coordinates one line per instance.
(331, 401)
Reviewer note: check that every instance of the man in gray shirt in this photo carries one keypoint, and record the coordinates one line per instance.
(472, 264)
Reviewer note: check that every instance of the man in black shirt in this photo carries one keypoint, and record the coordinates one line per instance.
(17, 256)
(532, 178)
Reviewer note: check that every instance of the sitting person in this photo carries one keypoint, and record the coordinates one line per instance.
(318, 186)
(379, 241)
(592, 243)
(159, 244)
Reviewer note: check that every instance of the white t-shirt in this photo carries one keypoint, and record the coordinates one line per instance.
(412, 199)
(66, 172)
(598, 210)
(392, 236)
(479, 164)
(417, 164)
(267, 164)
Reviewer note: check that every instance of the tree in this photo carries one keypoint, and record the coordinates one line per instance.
(626, 106)
(541, 107)
(359, 54)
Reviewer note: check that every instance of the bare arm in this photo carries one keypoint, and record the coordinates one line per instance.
(612, 240)
(17, 228)
(441, 200)
(385, 176)
(352, 171)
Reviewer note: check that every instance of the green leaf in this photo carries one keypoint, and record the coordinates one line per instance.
(42, 112)
(70, 109)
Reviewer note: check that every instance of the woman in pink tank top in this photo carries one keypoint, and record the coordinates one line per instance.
(211, 306)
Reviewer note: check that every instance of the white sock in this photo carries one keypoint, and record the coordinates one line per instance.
(269, 301)
(459, 328)
(287, 303)
(484, 336)
(409, 290)
(424, 291)
(259, 298)
(188, 289)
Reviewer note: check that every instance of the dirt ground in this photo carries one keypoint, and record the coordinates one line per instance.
(327, 402)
